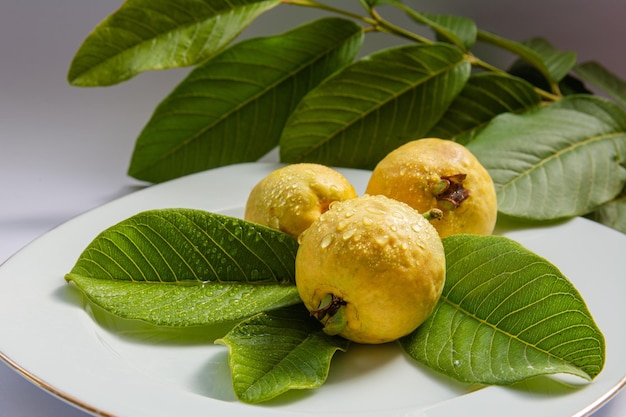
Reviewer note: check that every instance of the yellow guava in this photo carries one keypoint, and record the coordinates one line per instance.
(292, 197)
(438, 173)
(371, 269)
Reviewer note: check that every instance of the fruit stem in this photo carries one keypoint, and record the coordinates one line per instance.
(433, 214)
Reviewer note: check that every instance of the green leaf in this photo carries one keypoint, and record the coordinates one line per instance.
(147, 35)
(569, 85)
(259, 81)
(277, 351)
(550, 64)
(371, 107)
(184, 305)
(613, 213)
(595, 74)
(485, 96)
(557, 161)
(558, 63)
(457, 30)
(181, 267)
(505, 315)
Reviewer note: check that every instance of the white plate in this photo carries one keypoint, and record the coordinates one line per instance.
(112, 367)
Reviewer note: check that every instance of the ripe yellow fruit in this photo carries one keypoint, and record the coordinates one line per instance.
(371, 269)
(292, 197)
(438, 173)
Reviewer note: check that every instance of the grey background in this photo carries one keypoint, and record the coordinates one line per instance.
(64, 150)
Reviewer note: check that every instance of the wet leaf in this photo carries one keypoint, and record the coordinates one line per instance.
(182, 267)
(506, 315)
(278, 351)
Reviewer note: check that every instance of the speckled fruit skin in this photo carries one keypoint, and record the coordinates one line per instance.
(381, 257)
(412, 172)
(292, 197)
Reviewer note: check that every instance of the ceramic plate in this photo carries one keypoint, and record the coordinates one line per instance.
(120, 368)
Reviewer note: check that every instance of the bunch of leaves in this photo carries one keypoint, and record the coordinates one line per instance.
(553, 149)
(505, 314)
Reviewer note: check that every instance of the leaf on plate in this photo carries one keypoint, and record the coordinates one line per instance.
(597, 75)
(181, 267)
(259, 81)
(557, 161)
(357, 116)
(484, 96)
(147, 35)
(278, 351)
(505, 315)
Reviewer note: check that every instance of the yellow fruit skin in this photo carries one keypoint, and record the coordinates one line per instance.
(411, 173)
(381, 257)
(292, 197)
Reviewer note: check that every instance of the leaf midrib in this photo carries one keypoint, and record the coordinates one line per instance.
(146, 41)
(237, 108)
(382, 104)
(559, 154)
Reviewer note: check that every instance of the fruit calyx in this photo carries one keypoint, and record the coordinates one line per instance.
(450, 191)
(331, 312)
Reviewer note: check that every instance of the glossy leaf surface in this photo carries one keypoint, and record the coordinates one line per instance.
(357, 116)
(233, 108)
(147, 35)
(506, 315)
(278, 351)
(181, 267)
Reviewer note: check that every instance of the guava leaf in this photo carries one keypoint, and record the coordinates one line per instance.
(549, 66)
(277, 351)
(613, 213)
(597, 75)
(558, 63)
(147, 35)
(557, 161)
(199, 125)
(484, 97)
(357, 116)
(181, 267)
(457, 30)
(505, 315)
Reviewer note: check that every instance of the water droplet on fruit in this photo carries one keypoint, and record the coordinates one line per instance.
(382, 240)
(326, 241)
(375, 210)
(348, 234)
(367, 221)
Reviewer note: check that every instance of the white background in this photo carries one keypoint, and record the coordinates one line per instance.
(65, 150)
